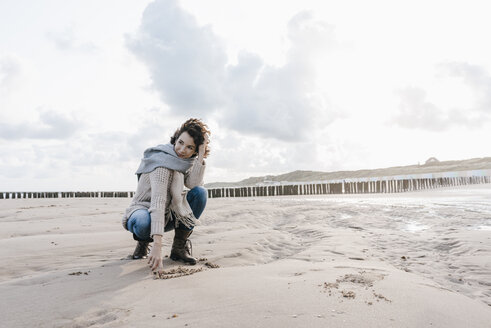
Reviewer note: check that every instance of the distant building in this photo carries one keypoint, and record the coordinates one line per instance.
(431, 160)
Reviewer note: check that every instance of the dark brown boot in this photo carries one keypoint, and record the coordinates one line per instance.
(182, 247)
(141, 250)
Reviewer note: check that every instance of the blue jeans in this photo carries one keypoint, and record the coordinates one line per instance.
(139, 221)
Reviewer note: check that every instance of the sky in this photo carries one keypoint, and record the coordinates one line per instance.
(87, 86)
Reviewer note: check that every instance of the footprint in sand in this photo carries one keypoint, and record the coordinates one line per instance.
(351, 286)
(100, 318)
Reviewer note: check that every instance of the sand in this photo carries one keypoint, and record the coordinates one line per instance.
(418, 259)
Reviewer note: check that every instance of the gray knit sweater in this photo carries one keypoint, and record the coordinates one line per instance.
(153, 194)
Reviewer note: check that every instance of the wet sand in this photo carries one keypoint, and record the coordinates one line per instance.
(399, 260)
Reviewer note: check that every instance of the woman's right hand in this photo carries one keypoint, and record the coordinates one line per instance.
(155, 256)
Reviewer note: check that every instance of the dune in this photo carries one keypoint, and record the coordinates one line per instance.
(416, 259)
(299, 176)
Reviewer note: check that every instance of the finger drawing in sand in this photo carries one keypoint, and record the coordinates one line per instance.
(160, 203)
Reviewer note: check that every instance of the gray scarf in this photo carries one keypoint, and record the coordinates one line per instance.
(163, 156)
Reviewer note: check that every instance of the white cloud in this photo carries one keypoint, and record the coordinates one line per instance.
(188, 68)
(66, 40)
(282, 102)
(475, 77)
(186, 62)
(10, 70)
(51, 125)
(417, 111)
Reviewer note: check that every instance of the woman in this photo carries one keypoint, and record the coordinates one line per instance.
(160, 204)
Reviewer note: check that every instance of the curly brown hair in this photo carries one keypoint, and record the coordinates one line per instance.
(197, 130)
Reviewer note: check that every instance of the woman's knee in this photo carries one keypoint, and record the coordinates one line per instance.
(139, 221)
(196, 198)
(199, 193)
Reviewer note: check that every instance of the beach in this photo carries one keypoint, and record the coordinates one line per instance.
(414, 259)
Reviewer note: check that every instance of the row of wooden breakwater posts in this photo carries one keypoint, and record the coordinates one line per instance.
(66, 194)
(343, 187)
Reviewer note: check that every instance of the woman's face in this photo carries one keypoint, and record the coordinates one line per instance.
(185, 146)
